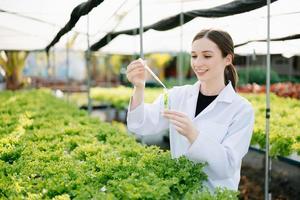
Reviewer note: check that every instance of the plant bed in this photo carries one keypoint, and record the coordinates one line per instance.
(285, 177)
(51, 150)
(252, 185)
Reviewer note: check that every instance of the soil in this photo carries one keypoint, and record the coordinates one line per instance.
(282, 187)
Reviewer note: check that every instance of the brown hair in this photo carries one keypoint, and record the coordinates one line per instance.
(224, 41)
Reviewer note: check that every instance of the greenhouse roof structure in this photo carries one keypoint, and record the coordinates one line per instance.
(32, 25)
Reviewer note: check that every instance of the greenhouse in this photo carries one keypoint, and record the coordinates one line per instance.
(150, 99)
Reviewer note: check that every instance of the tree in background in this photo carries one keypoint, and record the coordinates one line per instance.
(13, 62)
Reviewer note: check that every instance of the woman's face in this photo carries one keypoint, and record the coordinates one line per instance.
(207, 60)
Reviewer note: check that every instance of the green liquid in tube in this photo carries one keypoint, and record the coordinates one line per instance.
(166, 99)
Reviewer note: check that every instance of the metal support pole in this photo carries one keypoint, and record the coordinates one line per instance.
(88, 59)
(48, 63)
(109, 70)
(180, 57)
(247, 68)
(68, 68)
(141, 42)
(141, 31)
(134, 56)
(54, 62)
(290, 67)
(268, 160)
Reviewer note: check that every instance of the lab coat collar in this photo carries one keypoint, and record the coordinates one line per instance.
(226, 95)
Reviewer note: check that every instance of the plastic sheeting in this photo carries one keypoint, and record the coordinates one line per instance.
(286, 48)
(79, 11)
(242, 27)
(231, 8)
(32, 24)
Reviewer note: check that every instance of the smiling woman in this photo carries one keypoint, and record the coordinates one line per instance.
(208, 121)
(212, 52)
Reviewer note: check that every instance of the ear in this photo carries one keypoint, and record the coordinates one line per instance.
(228, 59)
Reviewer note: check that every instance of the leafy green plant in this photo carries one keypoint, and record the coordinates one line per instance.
(55, 151)
(256, 75)
(284, 129)
(284, 124)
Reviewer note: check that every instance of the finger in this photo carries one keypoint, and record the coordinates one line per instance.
(178, 123)
(174, 117)
(134, 66)
(183, 118)
(136, 70)
(173, 112)
(138, 61)
(135, 63)
(134, 74)
(179, 130)
(181, 121)
(141, 60)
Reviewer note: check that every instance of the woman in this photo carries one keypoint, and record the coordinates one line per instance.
(208, 121)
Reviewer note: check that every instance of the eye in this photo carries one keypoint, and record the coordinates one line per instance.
(194, 56)
(207, 56)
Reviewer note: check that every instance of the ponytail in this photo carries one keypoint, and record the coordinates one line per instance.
(231, 75)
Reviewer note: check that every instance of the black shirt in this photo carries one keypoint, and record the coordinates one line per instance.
(203, 101)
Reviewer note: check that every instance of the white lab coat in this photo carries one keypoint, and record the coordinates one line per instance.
(225, 129)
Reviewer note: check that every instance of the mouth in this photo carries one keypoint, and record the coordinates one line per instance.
(201, 71)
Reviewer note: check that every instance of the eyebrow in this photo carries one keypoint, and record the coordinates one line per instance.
(206, 51)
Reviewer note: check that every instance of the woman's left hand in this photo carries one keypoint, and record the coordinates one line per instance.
(182, 124)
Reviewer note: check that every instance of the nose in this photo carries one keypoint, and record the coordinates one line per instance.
(197, 62)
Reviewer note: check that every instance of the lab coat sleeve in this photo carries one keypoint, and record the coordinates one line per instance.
(146, 119)
(224, 158)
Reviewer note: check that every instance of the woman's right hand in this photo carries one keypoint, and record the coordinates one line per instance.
(136, 73)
